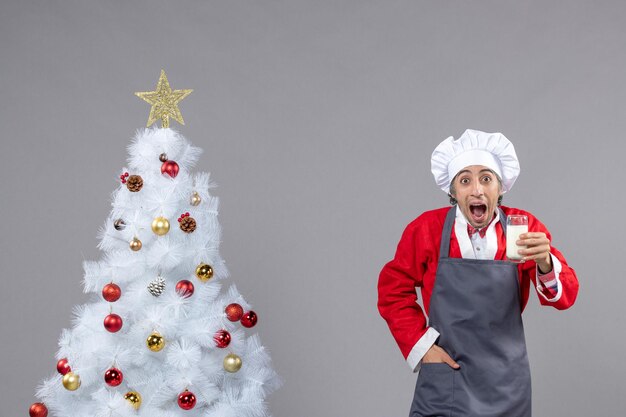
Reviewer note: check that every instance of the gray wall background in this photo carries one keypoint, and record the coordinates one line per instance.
(318, 119)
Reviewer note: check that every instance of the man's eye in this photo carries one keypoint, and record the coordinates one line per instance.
(464, 180)
(486, 179)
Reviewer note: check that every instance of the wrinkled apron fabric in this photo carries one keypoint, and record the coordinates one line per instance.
(475, 306)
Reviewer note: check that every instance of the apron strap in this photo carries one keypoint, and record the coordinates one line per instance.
(502, 220)
(444, 249)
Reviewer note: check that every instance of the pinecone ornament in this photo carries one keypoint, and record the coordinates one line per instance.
(157, 286)
(187, 224)
(134, 183)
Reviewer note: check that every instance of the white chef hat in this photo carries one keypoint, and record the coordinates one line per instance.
(474, 147)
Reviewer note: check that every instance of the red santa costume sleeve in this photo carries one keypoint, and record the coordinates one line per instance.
(396, 289)
(566, 279)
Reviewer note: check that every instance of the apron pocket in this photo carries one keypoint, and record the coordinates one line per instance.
(433, 391)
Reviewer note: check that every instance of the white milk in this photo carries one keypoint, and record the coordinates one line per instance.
(512, 235)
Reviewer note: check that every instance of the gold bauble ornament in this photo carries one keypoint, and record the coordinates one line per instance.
(135, 244)
(160, 225)
(195, 199)
(155, 342)
(133, 398)
(232, 363)
(71, 381)
(204, 272)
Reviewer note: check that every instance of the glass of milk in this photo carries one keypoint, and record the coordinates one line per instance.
(516, 224)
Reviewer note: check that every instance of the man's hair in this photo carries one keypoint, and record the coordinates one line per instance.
(453, 191)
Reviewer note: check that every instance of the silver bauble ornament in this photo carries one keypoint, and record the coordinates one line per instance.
(119, 224)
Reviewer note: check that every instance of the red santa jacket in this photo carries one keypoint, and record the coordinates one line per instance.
(415, 265)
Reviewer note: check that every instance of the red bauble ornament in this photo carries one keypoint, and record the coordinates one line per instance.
(113, 323)
(234, 312)
(222, 338)
(38, 410)
(249, 319)
(184, 288)
(186, 400)
(113, 377)
(63, 366)
(111, 292)
(170, 168)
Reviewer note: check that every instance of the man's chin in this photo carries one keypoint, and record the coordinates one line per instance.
(480, 223)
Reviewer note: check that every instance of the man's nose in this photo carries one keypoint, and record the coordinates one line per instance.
(478, 189)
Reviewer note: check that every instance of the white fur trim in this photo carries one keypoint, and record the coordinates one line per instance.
(557, 267)
(421, 347)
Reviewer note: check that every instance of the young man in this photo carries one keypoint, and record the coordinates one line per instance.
(471, 355)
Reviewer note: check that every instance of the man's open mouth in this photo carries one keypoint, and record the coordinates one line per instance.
(479, 212)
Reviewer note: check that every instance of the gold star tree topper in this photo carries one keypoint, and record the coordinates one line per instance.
(164, 102)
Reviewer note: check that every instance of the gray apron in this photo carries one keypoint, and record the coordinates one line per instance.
(475, 306)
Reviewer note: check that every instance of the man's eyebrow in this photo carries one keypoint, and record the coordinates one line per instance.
(463, 171)
(486, 169)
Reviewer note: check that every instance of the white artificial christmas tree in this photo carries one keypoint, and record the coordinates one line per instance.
(159, 337)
